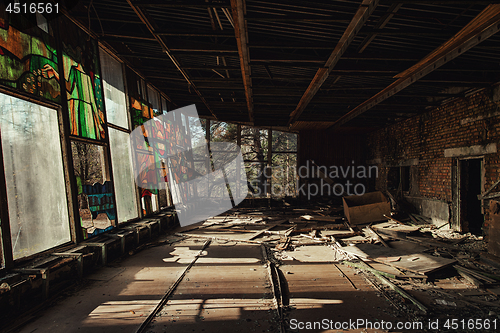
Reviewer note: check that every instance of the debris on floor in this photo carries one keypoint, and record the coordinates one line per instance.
(426, 272)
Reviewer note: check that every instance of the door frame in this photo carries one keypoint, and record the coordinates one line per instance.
(456, 208)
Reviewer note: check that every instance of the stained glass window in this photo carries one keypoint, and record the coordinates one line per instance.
(28, 59)
(140, 109)
(83, 82)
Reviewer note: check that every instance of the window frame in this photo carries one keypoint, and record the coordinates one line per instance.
(6, 240)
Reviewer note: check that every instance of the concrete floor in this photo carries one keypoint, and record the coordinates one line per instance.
(228, 289)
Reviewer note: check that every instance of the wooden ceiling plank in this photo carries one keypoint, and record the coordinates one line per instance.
(143, 16)
(180, 4)
(362, 14)
(393, 9)
(483, 26)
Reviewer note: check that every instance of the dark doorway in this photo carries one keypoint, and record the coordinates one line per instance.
(471, 216)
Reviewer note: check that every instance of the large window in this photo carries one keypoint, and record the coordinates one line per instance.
(95, 191)
(284, 164)
(126, 202)
(121, 158)
(114, 91)
(254, 149)
(270, 157)
(36, 194)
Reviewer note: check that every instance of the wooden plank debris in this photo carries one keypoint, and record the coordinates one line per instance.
(321, 218)
(485, 193)
(393, 219)
(421, 220)
(394, 229)
(475, 274)
(377, 236)
(470, 278)
(420, 263)
(425, 241)
(283, 244)
(397, 289)
(406, 246)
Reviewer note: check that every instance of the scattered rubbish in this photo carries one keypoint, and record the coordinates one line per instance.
(404, 256)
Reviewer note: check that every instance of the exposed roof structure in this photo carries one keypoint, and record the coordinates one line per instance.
(304, 64)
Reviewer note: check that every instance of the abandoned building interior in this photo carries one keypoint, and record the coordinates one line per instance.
(355, 143)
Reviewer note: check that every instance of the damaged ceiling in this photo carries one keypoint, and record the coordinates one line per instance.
(304, 65)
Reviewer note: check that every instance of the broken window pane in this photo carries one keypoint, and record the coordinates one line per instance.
(95, 190)
(36, 192)
(126, 203)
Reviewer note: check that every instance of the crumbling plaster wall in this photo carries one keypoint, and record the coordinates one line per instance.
(473, 120)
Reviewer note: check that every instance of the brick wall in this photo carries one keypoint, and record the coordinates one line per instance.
(468, 121)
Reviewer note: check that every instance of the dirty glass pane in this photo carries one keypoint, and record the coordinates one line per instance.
(95, 190)
(254, 144)
(283, 141)
(126, 203)
(284, 175)
(223, 132)
(154, 100)
(114, 91)
(36, 192)
(254, 150)
(164, 105)
(257, 180)
(197, 131)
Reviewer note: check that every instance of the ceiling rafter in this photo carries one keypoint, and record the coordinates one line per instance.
(152, 27)
(362, 14)
(393, 9)
(442, 2)
(195, 33)
(483, 26)
(405, 32)
(180, 4)
(241, 33)
(296, 18)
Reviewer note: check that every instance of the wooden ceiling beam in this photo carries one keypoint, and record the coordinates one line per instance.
(151, 26)
(483, 26)
(362, 14)
(241, 34)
